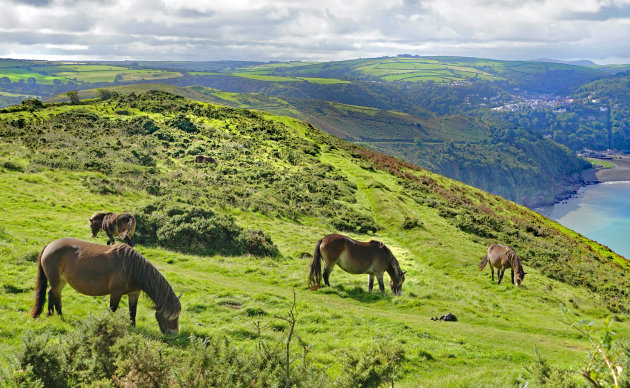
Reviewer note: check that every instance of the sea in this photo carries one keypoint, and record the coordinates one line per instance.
(600, 212)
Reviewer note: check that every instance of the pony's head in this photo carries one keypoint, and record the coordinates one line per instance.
(396, 275)
(396, 286)
(96, 222)
(169, 322)
(519, 273)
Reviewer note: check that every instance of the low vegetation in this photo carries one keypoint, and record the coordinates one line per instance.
(236, 238)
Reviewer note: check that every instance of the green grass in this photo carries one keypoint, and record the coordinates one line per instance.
(51, 71)
(324, 81)
(599, 163)
(269, 78)
(499, 327)
(17, 74)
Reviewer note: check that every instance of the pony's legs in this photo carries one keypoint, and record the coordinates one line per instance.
(51, 303)
(492, 272)
(381, 285)
(371, 282)
(327, 270)
(54, 294)
(500, 273)
(114, 300)
(133, 305)
(110, 238)
(512, 275)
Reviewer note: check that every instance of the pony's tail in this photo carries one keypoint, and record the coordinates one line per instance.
(127, 235)
(315, 277)
(483, 262)
(41, 283)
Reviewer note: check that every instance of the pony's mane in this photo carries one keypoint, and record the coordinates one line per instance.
(393, 263)
(99, 215)
(141, 272)
(517, 267)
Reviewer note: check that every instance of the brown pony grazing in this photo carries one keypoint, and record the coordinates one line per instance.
(122, 225)
(503, 257)
(204, 159)
(94, 269)
(355, 257)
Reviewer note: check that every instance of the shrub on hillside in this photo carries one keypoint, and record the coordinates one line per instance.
(12, 166)
(103, 352)
(88, 350)
(371, 368)
(141, 125)
(43, 360)
(183, 123)
(192, 229)
(352, 221)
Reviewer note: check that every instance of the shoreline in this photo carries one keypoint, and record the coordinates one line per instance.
(619, 172)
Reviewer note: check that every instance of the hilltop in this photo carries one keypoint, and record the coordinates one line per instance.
(495, 156)
(282, 183)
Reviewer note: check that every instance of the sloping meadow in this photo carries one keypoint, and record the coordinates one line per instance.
(236, 235)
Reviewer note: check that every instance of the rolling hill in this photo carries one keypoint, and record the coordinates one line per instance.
(286, 184)
(500, 158)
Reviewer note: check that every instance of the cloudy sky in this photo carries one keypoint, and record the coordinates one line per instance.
(598, 30)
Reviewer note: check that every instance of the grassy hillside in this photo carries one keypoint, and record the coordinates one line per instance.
(296, 184)
(502, 159)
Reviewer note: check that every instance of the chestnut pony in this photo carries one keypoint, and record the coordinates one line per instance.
(503, 257)
(94, 269)
(355, 257)
(122, 225)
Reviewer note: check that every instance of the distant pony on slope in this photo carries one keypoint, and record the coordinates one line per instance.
(503, 257)
(122, 225)
(204, 159)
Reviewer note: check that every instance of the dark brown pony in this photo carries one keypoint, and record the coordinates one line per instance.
(503, 257)
(204, 159)
(356, 257)
(122, 225)
(94, 269)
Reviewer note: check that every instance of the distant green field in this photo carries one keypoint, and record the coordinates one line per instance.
(76, 68)
(126, 74)
(324, 81)
(48, 73)
(17, 74)
(269, 78)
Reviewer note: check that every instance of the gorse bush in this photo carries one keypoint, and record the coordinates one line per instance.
(215, 362)
(103, 352)
(544, 375)
(44, 361)
(607, 363)
(89, 353)
(192, 229)
(372, 367)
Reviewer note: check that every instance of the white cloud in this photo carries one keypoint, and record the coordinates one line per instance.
(321, 30)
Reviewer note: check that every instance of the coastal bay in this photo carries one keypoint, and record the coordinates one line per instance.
(600, 211)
